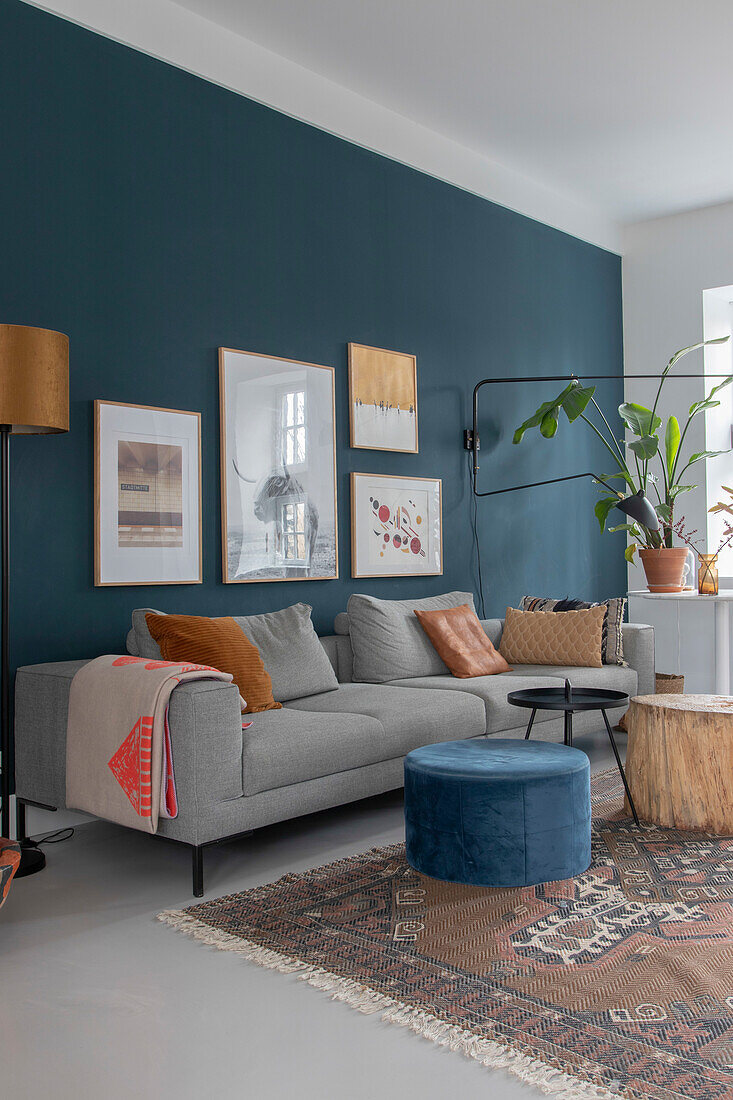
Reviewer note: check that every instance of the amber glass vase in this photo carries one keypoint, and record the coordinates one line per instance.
(707, 575)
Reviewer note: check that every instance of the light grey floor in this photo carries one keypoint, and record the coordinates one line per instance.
(99, 1000)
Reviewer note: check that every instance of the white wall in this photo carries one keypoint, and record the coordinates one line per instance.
(668, 263)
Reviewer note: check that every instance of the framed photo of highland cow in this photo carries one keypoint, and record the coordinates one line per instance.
(147, 494)
(396, 526)
(278, 469)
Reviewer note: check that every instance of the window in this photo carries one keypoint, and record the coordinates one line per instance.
(717, 471)
(293, 530)
(293, 428)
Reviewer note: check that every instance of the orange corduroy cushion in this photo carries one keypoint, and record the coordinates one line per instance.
(460, 641)
(221, 644)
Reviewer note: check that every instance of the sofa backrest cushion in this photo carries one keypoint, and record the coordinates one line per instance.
(291, 651)
(388, 641)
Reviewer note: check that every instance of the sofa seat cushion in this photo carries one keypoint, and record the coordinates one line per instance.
(284, 746)
(615, 677)
(492, 691)
(409, 718)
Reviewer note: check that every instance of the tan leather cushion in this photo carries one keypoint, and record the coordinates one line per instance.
(460, 641)
(553, 637)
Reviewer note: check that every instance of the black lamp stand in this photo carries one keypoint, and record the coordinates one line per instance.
(32, 858)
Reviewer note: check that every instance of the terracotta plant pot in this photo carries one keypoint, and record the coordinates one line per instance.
(664, 568)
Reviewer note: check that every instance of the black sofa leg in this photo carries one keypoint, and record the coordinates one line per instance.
(197, 856)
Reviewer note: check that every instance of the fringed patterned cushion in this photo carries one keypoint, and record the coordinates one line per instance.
(612, 646)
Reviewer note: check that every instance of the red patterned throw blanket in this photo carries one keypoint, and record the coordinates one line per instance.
(119, 763)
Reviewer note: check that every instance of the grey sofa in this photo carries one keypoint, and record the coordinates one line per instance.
(318, 751)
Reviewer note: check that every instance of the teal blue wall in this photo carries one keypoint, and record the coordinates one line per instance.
(153, 217)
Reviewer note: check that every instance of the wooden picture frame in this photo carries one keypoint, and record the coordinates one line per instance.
(382, 400)
(386, 508)
(261, 542)
(142, 539)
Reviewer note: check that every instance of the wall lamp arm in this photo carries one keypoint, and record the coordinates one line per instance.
(550, 481)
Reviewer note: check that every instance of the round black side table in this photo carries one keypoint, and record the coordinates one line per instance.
(568, 700)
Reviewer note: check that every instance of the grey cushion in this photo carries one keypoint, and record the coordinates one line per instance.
(142, 643)
(341, 623)
(615, 677)
(388, 641)
(409, 718)
(291, 652)
(289, 646)
(285, 746)
(492, 691)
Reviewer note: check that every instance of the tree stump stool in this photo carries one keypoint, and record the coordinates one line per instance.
(679, 763)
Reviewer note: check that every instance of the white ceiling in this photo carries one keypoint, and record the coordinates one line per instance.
(623, 105)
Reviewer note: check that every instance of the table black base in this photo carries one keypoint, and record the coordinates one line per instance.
(568, 740)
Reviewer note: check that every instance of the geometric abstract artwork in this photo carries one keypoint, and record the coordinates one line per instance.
(396, 526)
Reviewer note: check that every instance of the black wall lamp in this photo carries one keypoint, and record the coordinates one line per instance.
(637, 505)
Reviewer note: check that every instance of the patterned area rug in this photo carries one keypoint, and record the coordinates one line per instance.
(617, 983)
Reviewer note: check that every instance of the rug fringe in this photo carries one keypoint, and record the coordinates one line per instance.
(532, 1071)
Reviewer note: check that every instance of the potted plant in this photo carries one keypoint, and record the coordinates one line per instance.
(663, 561)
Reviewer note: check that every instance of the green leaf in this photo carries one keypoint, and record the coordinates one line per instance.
(535, 420)
(630, 551)
(646, 447)
(625, 527)
(576, 401)
(672, 438)
(602, 508)
(572, 400)
(548, 424)
(693, 347)
(664, 512)
(707, 402)
(639, 418)
(622, 475)
(700, 456)
(675, 489)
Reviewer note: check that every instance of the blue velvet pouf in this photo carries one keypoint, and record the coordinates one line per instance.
(497, 812)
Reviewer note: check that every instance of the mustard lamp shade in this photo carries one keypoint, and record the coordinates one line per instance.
(34, 380)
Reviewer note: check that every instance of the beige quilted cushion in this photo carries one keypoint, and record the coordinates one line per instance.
(553, 637)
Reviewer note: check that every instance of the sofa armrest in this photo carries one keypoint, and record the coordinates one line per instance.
(205, 721)
(638, 639)
(205, 724)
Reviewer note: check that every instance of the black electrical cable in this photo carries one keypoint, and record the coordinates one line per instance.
(476, 539)
(55, 838)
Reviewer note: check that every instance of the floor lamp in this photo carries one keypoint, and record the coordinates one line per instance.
(34, 400)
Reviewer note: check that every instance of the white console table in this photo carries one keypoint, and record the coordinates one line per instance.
(722, 627)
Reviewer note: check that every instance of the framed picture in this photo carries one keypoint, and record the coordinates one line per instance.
(147, 495)
(382, 399)
(278, 469)
(396, 526)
